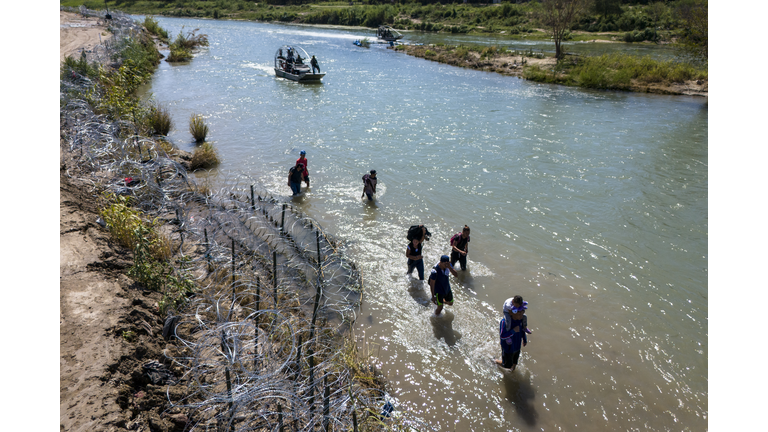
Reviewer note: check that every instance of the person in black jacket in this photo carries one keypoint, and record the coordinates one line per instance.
(460, 248)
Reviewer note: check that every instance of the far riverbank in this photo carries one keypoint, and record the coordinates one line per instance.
(536, 67)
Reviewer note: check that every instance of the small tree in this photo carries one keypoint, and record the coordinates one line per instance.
(695, 40)
(607, 7)
(558, 16)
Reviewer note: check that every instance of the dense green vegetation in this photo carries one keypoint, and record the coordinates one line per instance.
(609, 72)
(630, 21)
(151, 252)
(616, 72)
(114, 91)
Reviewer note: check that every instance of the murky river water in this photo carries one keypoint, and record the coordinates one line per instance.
(591, 205)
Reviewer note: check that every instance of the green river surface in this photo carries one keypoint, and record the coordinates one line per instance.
(592, 205)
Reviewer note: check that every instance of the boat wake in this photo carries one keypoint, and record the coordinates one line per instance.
(267, 69)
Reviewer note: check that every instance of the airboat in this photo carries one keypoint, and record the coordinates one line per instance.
(292, 62)
(388, 34)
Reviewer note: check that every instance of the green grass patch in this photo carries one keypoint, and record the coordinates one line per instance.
(71, 68)
(154, 28)
(616, 72)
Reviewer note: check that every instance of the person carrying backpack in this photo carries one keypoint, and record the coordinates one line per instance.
(369, 185)
(414, 252)
(460, 248)
(295, 176)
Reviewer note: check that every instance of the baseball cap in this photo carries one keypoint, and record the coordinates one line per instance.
(445, 258)
(303, 152)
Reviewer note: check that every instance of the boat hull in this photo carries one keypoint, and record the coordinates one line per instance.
(306, 77)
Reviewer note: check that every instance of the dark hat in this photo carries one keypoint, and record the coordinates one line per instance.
(445, 258)
(303, 152)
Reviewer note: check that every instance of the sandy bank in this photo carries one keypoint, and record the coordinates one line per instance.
(77, 33)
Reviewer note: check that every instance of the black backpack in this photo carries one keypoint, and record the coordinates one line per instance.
(414, 232)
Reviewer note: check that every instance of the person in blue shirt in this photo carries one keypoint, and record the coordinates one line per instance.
(512, 334)
(440, 285)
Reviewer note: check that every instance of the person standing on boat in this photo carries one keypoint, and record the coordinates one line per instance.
(314, 64)
(369, 184)
(295, 175)
(303, 160)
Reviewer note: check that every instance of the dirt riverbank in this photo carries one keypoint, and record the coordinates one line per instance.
(109, 327)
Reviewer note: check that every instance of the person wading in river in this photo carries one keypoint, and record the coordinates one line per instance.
(440, 285)
(369, 185)
(295, 175)
(512, 335)
(460, 248)
(414, 254)
(303, 160)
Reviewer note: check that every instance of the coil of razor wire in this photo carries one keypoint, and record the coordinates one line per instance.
(259, 340)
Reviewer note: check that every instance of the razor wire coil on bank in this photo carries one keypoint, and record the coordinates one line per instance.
(258, 341)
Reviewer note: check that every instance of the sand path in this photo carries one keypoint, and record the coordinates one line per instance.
(77, 33)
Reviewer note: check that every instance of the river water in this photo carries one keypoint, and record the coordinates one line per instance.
(591, 205)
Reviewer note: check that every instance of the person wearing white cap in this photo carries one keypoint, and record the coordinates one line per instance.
(512, 332)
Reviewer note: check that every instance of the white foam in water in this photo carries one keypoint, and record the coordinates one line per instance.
(269, 69)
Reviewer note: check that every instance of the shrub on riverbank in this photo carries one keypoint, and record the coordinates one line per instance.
(154, 28)
(616, 72)
(151, 252)
(204, 157)
(72, 67)
(160, 120)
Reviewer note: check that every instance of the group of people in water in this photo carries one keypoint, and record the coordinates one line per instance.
(513, 327)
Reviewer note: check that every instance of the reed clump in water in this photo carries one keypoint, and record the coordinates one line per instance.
(160, 120)
(204, 157)
(182, 46)
(198, 128)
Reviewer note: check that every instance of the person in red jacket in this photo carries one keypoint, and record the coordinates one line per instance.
(303, 160)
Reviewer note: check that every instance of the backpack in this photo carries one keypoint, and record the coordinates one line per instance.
(414, 232)
(454, 238)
